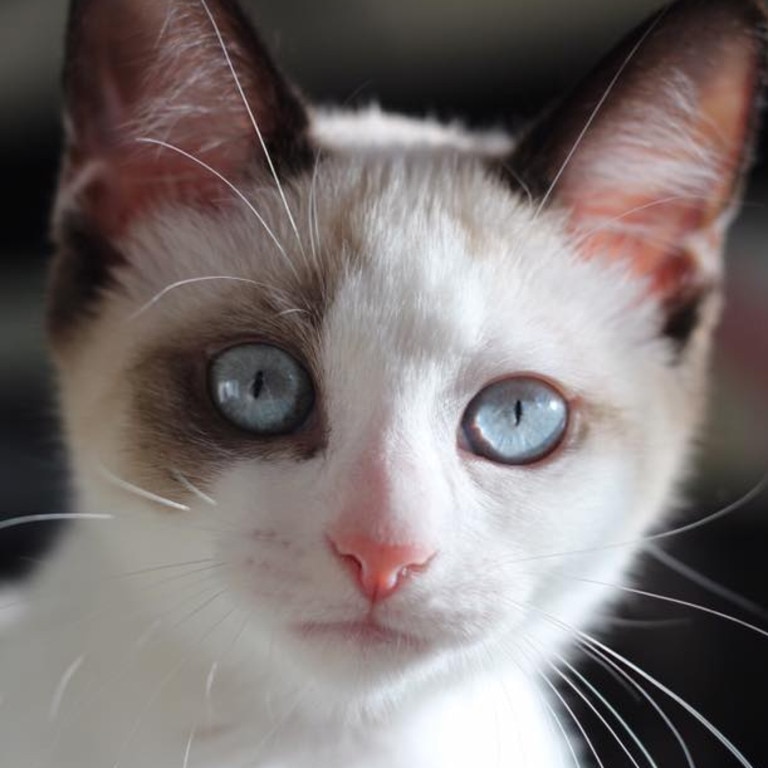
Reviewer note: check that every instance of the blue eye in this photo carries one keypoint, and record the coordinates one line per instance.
(515, 421)
(261, 388)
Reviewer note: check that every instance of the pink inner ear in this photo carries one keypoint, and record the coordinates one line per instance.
(162, 70)
(652, 184)
(118, 186)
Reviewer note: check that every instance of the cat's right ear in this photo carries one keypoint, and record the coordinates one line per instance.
(646, 158)
(162, 99)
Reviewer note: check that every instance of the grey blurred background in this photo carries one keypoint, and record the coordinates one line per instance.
(493, 62)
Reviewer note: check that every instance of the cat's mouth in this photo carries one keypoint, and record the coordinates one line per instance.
(366, 633)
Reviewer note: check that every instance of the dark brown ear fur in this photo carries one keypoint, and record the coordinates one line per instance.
(142, 71)
(647, 155)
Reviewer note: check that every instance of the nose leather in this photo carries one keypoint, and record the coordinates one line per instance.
(379, 569)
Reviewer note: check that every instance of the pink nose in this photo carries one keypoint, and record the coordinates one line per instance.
(379, 568)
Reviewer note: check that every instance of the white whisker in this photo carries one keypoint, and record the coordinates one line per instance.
(312, 222)
(734, 506)
(593, 115)
(607, 704)
(163, 567)
(676, 601)
(625, 678)
(61, 688)
(135, 489)
(189, 281)
(575, 719)
(252, 118)
(606, 224)
(188, 750)
(679, 700)
(165, 681)
(210, 679)
(222, 179)
(559, 723)
(716, 732)
(192, 488)
(705, 582)
(52, 517)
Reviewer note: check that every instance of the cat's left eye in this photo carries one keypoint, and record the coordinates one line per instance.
(515, 421)
(261, 388)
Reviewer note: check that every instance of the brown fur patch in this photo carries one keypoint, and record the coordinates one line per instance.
(172, 422)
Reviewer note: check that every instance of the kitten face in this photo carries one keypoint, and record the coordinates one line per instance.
(404, 282)
(398, 341)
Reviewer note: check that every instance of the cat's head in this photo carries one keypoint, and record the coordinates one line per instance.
(388, 376)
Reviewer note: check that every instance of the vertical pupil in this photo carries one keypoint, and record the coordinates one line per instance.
(518, 412)
(258, 384)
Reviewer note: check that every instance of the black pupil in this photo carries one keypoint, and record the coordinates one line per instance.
(518, 412)
(258, 384)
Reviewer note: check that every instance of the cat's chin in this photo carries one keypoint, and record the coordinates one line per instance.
(366, 636)
(362, 657)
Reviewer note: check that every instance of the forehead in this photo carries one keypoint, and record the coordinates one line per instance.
(460, 270)
(393, 262)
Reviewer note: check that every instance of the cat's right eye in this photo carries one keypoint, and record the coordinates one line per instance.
(261, 389)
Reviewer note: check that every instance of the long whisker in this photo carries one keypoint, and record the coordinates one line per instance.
(734, 506)
(52, 517)
(596, 712)
(164, 682)
(136, 490)
(312, 224)
(594, 114)
(625, 678)
(573, 716)
(61, 688)
(210, 678)
(163, 567)
(222, 179)
(180, 478)
(595, 643)
(188, 750)
(252, 118)
(89, 695)
(716, 732)
(607, 704)
(559, 723)
(89, 616)
(607, 223)
(676, 601)
(705, 582)
(189, 281)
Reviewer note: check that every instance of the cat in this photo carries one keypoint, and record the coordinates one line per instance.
(365, 413)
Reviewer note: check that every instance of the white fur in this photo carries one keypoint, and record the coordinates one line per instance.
(458, 285)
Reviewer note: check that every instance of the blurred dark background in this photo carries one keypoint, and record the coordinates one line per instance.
(492, 62)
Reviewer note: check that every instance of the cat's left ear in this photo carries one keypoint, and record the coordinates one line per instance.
(647, 156)
(155, 91)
